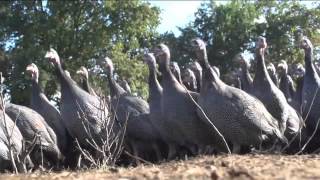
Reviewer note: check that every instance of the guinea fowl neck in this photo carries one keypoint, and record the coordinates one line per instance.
(178, 76)
(208, 74)
(261, 69)
(64, 80)
(310, 69)
(164, 67)
(153, 81)
(154, 85)
(115, 89)
(245, 72)
(85, 84)
(35, 92)
(198, 80)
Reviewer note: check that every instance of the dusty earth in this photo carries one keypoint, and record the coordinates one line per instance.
(204, 167)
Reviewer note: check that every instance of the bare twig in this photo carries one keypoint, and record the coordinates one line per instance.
(108, 146)
(8, 135)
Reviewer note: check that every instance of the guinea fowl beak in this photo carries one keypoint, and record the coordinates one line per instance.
(79, 72)
(49, 55)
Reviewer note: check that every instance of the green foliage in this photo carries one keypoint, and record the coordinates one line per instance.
(81, 32)
(284, 21)
(84, 31)
(232, 27)
(133, 70)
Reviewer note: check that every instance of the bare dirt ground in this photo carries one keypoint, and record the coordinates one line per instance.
(204, 167)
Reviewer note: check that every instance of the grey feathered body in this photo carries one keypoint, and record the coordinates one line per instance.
(16, 139)
(246, 79)
(83, 115)
(241, 118)
(30, 123)
(297, 96)
(287, 87)
(274, 100)
(180, 120)
(311, 94)
(51, 115)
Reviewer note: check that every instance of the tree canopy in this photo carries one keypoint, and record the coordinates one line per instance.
(81, 32)
(84, 31)
(232, 28)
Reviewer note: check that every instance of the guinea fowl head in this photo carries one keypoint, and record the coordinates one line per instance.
(53, 56)
(161, 51)
(174, 67)
(107, 63)
(261, 43)
(198, 44)
(150, 60)
(306, 44)
(271, 68)
(83, 72)
(188, 76)
(299, 71)
(195, 66)
(33, 70)
(199, 47)
(242, 61)
(282, 67)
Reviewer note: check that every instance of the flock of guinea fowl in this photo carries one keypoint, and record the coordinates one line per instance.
(196, 114)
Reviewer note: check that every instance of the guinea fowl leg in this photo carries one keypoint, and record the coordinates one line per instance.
(157, 151)
(172, 151)
(236, 148)
(135, 153)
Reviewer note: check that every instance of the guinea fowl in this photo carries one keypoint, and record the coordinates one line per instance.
(155, 95)
(140, 133)
(176, 71)
(84, 75)
(310, 95)
(179, 112)
(134, 103)
(242, 119)
(245, 77)
(189, 80)
(273, 74)
(81, 112)
(196, 68)
(40, 103)
(285, 82)
(7, 126)
(31, 124)
(290, 123)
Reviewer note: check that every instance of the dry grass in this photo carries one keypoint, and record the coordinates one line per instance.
(205, 167)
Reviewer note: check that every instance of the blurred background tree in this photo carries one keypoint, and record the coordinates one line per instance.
(81, 32)
(84, 31)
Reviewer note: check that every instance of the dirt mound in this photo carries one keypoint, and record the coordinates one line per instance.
(204, 167)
